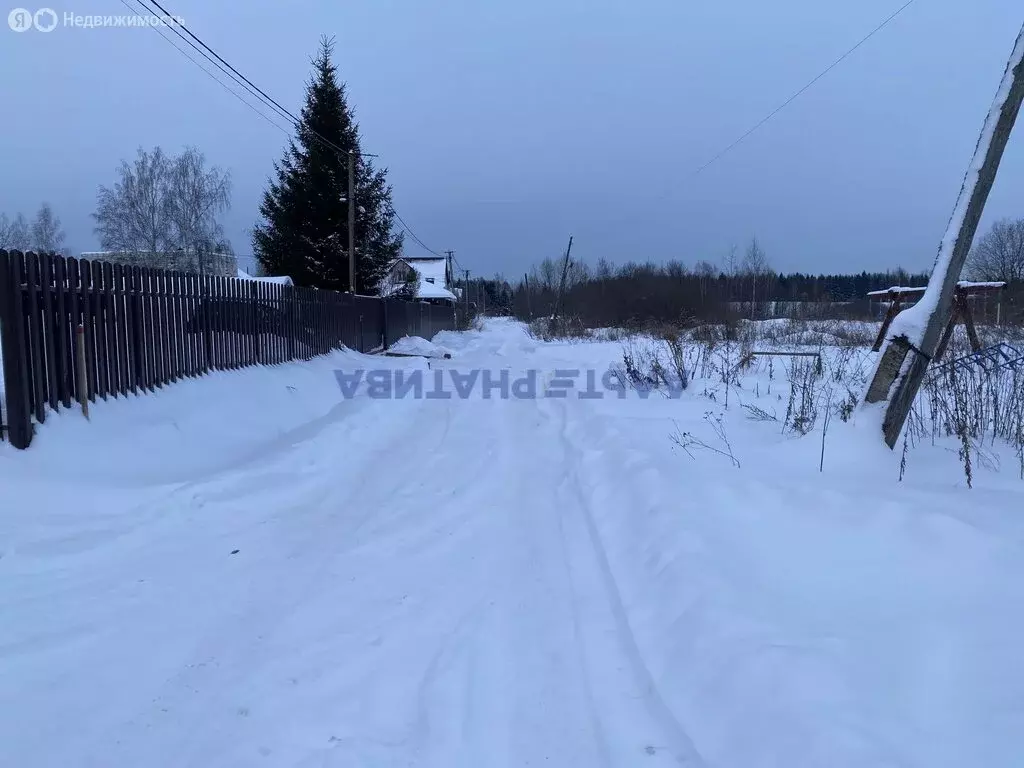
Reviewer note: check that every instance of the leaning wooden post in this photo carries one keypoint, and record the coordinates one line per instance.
(890, 315)
(919, 328)
(967, 315)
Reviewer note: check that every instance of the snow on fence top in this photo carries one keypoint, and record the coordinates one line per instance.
(281, 280)
(967, 285)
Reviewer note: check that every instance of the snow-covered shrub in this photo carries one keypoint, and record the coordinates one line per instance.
(803, 375)
(976, 406)
(561, 328)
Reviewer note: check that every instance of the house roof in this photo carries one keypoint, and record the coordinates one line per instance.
(432, 283)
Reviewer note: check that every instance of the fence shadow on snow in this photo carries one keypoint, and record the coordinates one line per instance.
(145, 328)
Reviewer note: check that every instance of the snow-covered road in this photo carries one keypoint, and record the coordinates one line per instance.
(251, 570)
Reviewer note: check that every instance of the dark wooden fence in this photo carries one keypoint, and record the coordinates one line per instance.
(145, 328)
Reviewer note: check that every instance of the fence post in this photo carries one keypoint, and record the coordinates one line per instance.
(36, 361)
(291, 326)
(384, 324)
(64, 356)
(254, 306)
(207, 315)
(12, 338)
(49, 351)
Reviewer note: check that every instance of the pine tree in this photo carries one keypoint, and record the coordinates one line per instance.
(304, 233)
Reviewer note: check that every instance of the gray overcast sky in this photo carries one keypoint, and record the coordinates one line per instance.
(507, 126)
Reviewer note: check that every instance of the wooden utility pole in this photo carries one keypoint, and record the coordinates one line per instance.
(466, 289)
(561, 284)
(922, 325)
(449, 274)
(351, 222)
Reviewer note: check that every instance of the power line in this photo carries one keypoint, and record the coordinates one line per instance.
(241, 79)
(799, 93)
(258, 92)
(412, 234)
(213, 76)
(214, 58)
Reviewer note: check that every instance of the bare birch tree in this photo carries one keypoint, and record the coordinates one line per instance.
(197, 196)
(133, 216)
(999, 255)
(165, 211)
(19, 235)
(755, 268)
(47, 235)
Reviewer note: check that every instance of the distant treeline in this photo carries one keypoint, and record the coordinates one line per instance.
(635, 295)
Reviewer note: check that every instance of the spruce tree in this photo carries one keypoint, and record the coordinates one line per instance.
(304, 233)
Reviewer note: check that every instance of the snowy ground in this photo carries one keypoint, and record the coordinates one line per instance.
(253, 570)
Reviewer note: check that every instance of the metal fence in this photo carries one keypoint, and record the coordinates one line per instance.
(73, 330)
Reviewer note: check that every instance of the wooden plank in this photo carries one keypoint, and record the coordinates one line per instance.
(210, 307)
(216, 321)
(64, 327)
(243, 315)
(141, 335)
(222, 320)
(253, 332)
(274, 300)
(149, 311)
(250, 322)
(318, 323)
(37, 359)
(237, 327)
(273, 323)
(118, 297)
(894, 308)
(188, 324)
(173, 327)
(160, 325)
(270, 349)
(183, 319)
(74, 302)
(332, 320)
(193, 335)
(49, 331)
(89, 326)
(100, 335)
(173, 372)
(186, 320)
(203, 315)
(15, 356)
(968, 318)
(227, 321)
(276, 323)
(134, 328)
(293, 321)
(115, 386)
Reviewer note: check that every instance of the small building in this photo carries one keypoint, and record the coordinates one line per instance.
(433, 278)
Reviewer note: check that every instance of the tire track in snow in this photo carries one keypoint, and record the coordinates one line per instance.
(312, 541)
(680, 748)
